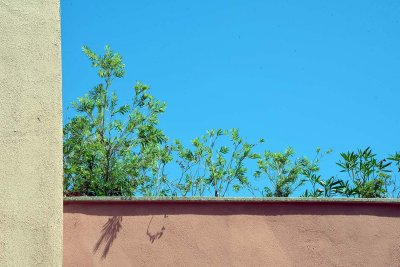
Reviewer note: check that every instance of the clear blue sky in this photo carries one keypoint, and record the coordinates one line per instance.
(298, 73)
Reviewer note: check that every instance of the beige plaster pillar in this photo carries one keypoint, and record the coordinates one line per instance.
(30, 133)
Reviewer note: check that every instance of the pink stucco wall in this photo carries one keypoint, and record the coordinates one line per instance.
(173, 233)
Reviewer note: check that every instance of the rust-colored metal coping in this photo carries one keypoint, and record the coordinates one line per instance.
(250, 200)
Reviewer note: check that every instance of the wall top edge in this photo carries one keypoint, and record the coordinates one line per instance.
(233, 200)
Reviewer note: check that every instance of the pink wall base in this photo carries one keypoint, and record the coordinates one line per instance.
(231, 234)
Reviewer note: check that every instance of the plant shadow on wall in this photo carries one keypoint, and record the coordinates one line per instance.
(110, 231)
(119, 150)
(156, 235)
(108, 235)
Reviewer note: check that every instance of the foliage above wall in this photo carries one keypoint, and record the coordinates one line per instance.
(113, 149)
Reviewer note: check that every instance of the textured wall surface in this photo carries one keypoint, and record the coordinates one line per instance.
(231, 234)
(30, 134)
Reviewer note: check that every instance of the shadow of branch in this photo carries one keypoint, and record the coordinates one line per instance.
(108, 235)
(158, 234)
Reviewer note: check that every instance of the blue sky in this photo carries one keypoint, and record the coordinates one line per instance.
(298, 73)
